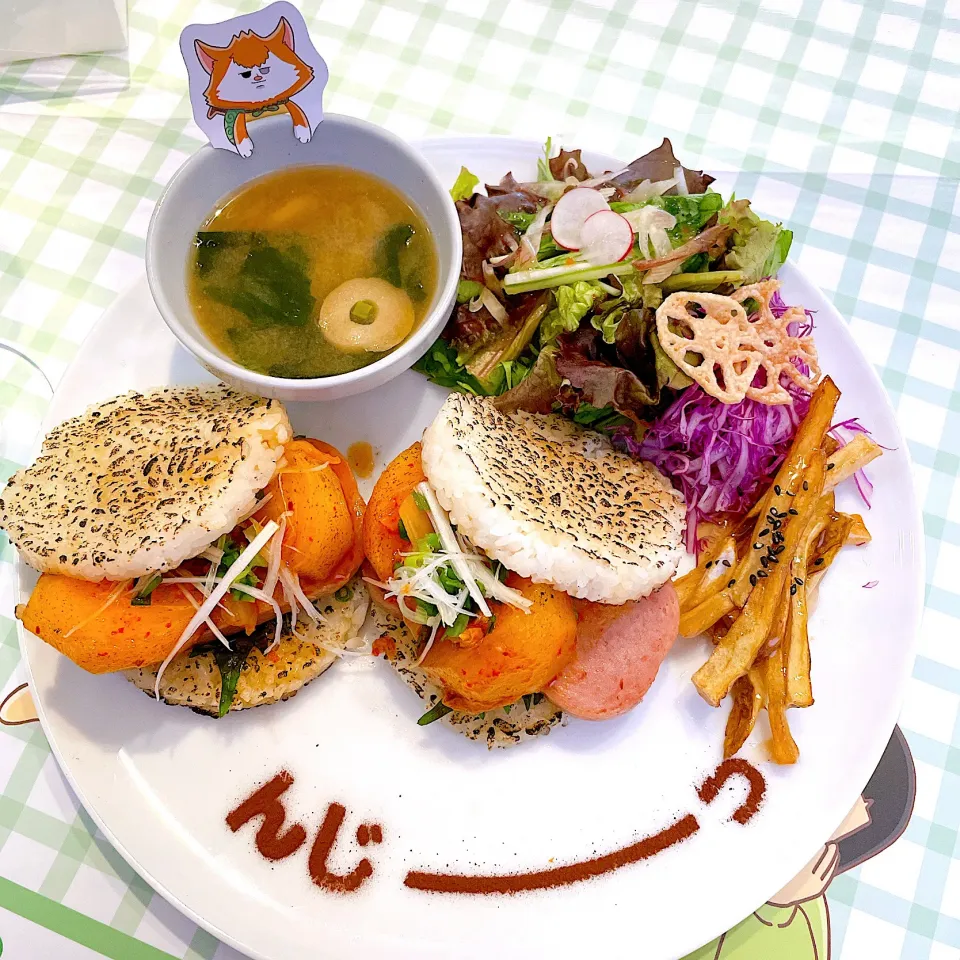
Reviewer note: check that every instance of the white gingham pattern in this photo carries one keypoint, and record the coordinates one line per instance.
(841, 118)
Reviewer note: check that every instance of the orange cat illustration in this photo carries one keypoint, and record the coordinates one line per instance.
(253, 75)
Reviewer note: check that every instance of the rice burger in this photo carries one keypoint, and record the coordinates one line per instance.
(531, 558)
(183, 536)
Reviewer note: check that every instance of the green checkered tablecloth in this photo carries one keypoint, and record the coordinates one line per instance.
(838, 117)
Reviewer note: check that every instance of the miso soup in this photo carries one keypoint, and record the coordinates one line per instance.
(312, 271)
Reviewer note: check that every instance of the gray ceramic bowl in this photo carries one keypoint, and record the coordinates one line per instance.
(211, 174)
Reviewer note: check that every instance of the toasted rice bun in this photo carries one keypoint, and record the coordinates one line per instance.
(193, 680)
(554, 502)
(144, 481)
(503, 727)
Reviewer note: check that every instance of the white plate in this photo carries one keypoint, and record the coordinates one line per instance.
(159, 781)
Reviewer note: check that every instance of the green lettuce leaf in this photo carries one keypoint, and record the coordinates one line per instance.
(508, 374)
(759, 247)
(573, 302)
(538, 390)
(692, 212)
(652, 295)
(467, 290)
(668, 373)
(598, 418)
(518, 218)
(230, 663)
(464, 185)
(543, 163)
(633, 289)
(628, 376)
(440, 365)
(607, 324)
(779, 253)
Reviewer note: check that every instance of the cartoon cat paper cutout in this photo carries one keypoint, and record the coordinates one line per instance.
(256, 65)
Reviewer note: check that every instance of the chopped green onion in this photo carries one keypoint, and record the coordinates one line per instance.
(363, 311)
(427, 609)
(344, 594)
(141, 596)
(421, 501)
(231, 551)
(458, 625)
(402, 530)
(434, 713)
(449, 580)
(429, 544)
(230, 663)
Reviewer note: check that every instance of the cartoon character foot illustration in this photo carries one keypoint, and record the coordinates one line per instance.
(253, 76)
(301, 125)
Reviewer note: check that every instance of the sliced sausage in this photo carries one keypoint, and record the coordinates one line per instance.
(619, 650)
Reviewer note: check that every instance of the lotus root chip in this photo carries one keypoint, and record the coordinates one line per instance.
(714, 340)
(709, 338)
(783, 353)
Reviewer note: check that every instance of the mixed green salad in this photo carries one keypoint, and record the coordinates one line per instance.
(560, 285)
(521, 291)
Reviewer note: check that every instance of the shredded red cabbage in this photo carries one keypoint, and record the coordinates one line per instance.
(720, 456)
(838, 431)
(778, 308)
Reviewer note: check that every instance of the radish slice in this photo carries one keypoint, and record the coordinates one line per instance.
(571, 213)
(606, 237)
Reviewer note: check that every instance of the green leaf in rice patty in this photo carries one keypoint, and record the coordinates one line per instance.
(230, 663)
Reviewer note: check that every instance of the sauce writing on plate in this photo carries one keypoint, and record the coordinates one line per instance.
(275, 841)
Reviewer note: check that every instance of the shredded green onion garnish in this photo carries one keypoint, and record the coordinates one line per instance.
(458, 625)
(434, 713)
(143, 588)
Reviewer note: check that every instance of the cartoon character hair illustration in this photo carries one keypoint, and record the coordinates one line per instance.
(795, 923)
(253, 75)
